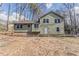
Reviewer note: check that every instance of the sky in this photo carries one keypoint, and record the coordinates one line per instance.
(4, 11)
(45, 7)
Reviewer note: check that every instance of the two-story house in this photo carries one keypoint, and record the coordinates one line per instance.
(49, 23)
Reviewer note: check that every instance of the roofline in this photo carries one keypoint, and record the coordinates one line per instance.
(53, 13)
(23, 22)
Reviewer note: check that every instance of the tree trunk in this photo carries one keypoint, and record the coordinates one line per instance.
(8, 16)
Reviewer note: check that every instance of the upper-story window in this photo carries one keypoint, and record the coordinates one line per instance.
(45, 20)
(57, 20)
(36, 25)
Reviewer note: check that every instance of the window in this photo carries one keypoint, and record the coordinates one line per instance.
(28, 25)
(36, 25)
(57, 20)
(19, 25)
(45, 20)
(57, 29)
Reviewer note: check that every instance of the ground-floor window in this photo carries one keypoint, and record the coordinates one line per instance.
(28, 25)
(57, 29)
(18, 26)
(36, 25)
(21, 26)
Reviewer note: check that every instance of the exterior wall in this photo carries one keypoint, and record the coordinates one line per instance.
(35, 29)
(11, 27)
(51, 25)
(24, 28)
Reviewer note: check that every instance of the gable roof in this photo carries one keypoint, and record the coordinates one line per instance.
(52, 13)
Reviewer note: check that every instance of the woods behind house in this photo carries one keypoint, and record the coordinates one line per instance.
(68, 11)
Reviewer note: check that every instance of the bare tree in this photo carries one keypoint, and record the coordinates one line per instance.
(8, 15)
(75, 25)
(71, 13)
(68, 12)
(22, 6)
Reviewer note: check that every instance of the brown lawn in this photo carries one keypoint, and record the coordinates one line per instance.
(34, 46)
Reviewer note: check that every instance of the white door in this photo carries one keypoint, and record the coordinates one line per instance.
(45, 30)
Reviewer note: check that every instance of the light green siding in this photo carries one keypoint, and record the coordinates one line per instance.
(21, 31)
(35, 29)
(44, 28)
(51, 25)
(24, 28)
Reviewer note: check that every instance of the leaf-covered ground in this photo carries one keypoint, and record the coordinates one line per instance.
(34, 46)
